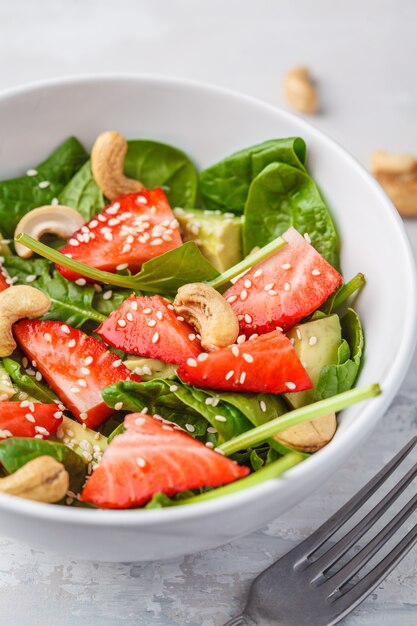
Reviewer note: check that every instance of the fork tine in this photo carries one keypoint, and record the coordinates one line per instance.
(322, 534)
(363, 556)
(340, 548)
(347, 601)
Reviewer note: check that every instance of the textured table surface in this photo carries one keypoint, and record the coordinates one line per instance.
(363, 54)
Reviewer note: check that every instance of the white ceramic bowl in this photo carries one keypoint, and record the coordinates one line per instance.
(210, 123)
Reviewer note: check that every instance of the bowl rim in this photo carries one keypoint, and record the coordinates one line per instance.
(371, 413)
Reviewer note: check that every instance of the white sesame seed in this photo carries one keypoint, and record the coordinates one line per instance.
(152, 323)
(47, 337)
(298, 333)
(235, 351)
(122, 266)
(268, 286)
(75, 390)
(180, 318)
(241, 339)
(272, 292)
(220, 418)
(44, 184)
(157, 241)
(170, 307)
(248, 357)
(263, 406)
(134, 305)
(253, 336)
(231, 299)
(32, 172)
(121, 323)
(38, 376)
(65, 329)
(191, 363)
(30, 418)
(292, 340)
(242, 378)
(107, 295)
(81, 382)
(248, 318)
(30, 278)
(108, 237)
(247, 283)
(212, 430)
(72, 343)
(315, 272)
(258, 273)
(312, 341)
(209, 444)
(203, 356)
(286, 266)
(307, 237)
(159, 315)
(173, 388)
(118, 406)
(139, 421)
(155, 337)
(229, 374)
(129, 317)
(141, 200)
(243, 294)
(81, 282)
(290, 386)
(126, 248)
(88, 360)
(287, 287)
(83, 416)
(117, 363)
(147, 311)
(191, 336)
(190, 428)
(279, 328)
(208, 401)
(58, 415)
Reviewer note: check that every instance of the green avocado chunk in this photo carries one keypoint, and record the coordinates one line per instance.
(150, 368)
(316, 344)
(217, 234)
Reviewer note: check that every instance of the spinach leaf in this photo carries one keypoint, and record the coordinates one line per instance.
(27, 383)
(71, 303)
(342, 295)
(17, 451)
(225, 185)
(20, 195)
(282, 196)
(82, 193)
(111, 301)
(258, 408)
(337, 378)
(160, 165)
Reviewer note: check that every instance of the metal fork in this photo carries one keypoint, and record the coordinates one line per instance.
(301, 590)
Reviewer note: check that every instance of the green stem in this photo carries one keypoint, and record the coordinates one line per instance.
(247, 263)
(345, 291)
(273, 470)
(80, 268)
(307, 413)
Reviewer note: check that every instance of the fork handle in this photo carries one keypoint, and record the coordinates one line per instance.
(240, 620)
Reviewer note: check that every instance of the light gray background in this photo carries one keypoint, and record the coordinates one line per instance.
(363, 53)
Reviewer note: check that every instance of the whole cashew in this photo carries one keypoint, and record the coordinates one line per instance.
(300, 91)
(309, 436)
(16, 303)
(209, 313)
(107, 163)
(43, 479)
(397, 174)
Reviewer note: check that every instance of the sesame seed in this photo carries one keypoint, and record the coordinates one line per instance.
(279, 328)
(231, 299)
(108, 237)
(139, 421)
(292, 340)
(209, 444)
(38, 376)
(248, 318)
(81, 382)
(247, 283)
(121, 323)
(113, 221)
(147, 311)
(44, 184)
(191, 336)
(243, 294)
(241, 339)
(117, 363)
(83, 416)
(307, 237)
(298, 333)
(47, 337)
(215, 401)
(220, 418)
(30, 278)
(75, 390)
(134, 305)
(263, 406)
(258, 273)
(286, 266)
(272, 292)
(268, 286)
(208, 401)
(152, 323)
(253, 336)
(191, 363)
(315, 272)
(290, 386)
(242, 378)
(287, 287)
(58, 415)
(157, 241)
(32, 172)
(312, 341)
(65, 329)
(88, 360)
(229, 374)
(81, 282)
(107, 295)
(159, 315)
(180, 318)
(170, 307)
(126, 248)
(190, 428)
(203, 356)
(248, 357)
(141, 200)
(118, 406)
(30, 418)
(155, 337)
(72, 343)
(129, 317)
(122, 266)
(235, 351)
(212, 430)
(173, 388)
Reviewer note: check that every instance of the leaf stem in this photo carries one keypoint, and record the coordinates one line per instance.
(304, 414)
(273, 470)
(346, 290)
(248, 262)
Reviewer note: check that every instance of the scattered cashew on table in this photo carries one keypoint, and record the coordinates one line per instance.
(397, 174)
(299, 90)
(18, 302)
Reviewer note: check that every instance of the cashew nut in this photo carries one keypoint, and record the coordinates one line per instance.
(309, 436)
(300, 91)
(42, 479)
(107, 163)
(16, 303)
(397, 174)
(56, 219)
(209, 313)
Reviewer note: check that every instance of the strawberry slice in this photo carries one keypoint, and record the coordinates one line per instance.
(284, 288)
(29, 419)
(154, 456)
(3, 279)
(130, 231)
(77, 367)
(267, 363)
(149, 326)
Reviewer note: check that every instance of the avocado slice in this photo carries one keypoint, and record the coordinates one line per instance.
(7, 389)
(316, 344)
(217, 234)
(84, 441)
(150, 368)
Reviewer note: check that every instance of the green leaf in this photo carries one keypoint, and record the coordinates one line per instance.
(107, 305)
(82, 193)
(335, 379)
(20, 195)
(282, 196)
(17, 451)
(160, 165)
(258, 408)
(117, 431)
(225, 185)
(341, 295)
(27, 383)
(71, 303)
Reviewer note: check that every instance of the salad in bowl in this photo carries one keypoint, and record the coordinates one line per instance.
(168, 336)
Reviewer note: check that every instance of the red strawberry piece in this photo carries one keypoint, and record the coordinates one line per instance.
(3, 279)
(155, 456)
(130, 231)
(284, 288)
(267, 363)
(29, 419)
(77, 367)
(149, 326)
